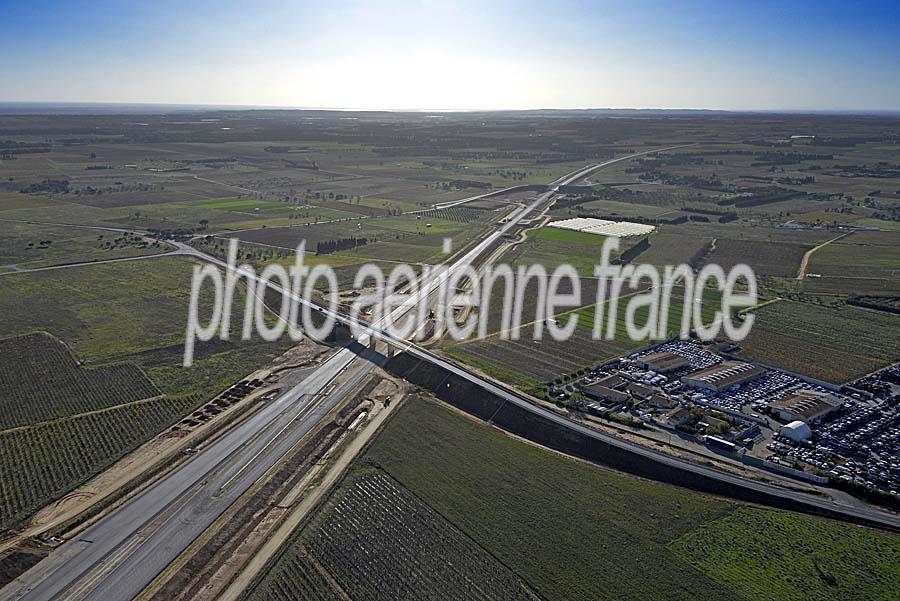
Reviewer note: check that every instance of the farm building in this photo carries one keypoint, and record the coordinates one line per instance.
(796, 431)
(723, 376)
(806, 406)
(663, 362)
(603, 227)
(602, 393)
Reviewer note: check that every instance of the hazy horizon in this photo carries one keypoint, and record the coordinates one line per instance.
(113, 107)
(436, 56)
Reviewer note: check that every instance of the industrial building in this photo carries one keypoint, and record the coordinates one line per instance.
(678, 416)
(663, 362)
(612, 381)
(639, 391)
(599, 392)
(723, 376)
(720, 444)
(804, 406)
(661, 401)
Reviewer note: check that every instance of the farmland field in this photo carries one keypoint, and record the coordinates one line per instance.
(861, 263)
(66, 418)
(376, 525)
(43, 462)
(102, 311)
(668, 247)
(812, 340)
(29, 246)
(767, 258)
(41, 380)
(569, 530)
(816, 559)
(415, 238)
(527, 363)
(551, 247)
(295, 577)
(135, 313)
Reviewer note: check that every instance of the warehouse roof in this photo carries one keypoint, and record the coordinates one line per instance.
(725, 374)
(599, 391)
(664, 361)
(806, 404)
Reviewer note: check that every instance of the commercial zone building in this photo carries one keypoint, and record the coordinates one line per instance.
(663, 362)
(677, 417)
(603, 227)
(804, 406)
(598, 392)
(723, 376)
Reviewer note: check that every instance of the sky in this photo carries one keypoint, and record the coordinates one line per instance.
(463, 55)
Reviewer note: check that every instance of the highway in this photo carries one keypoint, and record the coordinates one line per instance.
(121, 554)
(130, 546)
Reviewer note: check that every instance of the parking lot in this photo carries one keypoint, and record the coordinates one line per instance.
(859, 444)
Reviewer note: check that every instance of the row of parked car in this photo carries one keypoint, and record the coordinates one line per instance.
(859, 444)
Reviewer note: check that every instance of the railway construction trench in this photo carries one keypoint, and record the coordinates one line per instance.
(485, 405)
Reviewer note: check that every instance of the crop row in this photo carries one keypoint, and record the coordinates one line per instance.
(40, 463)
(546, 359)
(294, 578)
(457, 214)
(382, 543)
(41, 381)
(812, 340)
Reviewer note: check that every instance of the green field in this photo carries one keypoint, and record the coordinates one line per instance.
(570, 530)
(42, 381)
(551, 247)
(293, 578)
(28, 246)
(777, 555)
(834, 344)
(375, 525)
(44, 462)
(134, 312)
(413, 238)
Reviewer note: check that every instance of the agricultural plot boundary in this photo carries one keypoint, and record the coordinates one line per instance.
(377, 541)
(42, 381)
(476, 401)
